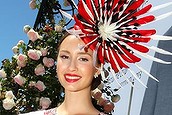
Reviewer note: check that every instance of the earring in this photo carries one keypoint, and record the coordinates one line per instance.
(95, 75)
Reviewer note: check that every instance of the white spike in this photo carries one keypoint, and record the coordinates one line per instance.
(156, 49)
(95, 9)
(66, 14)
(74, 4)
(105, 14)
(163, 16)
(73, 31)
(160, 37)
(151, 76)
(110, 19)
(101, 12)
(159, 50)
(160, 6)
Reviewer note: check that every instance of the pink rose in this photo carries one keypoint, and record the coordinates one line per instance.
(20, 42)
(39, 70)
(45, 102)
(116, 98)
(108, 107)
(21, 60)
(96, 93)
(8, 103)
(58, 28)
(33, 36)
(40, 85)
(32, 83)
(48, 62)
(19, 79)
(26, 28)
(44, 51)
(34, 54)
(15, 50)
(32, 4)
(101, 101)
(2, 73)
(9, 94)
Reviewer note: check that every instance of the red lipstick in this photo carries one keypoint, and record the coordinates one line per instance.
(71, 78)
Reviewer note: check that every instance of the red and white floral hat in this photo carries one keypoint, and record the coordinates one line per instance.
(111, 28)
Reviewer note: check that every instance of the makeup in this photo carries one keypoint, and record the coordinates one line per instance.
(71, 78)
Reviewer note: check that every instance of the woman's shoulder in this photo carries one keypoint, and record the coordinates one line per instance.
(42, 112)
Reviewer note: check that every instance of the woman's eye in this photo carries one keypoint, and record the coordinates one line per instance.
(83, 59)
(64, 57)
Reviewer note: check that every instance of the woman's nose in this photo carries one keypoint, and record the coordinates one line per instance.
(73, 65)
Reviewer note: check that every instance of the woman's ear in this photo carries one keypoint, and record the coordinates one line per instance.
(97, 73)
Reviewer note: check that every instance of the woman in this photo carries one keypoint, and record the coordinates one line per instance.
(75, 70)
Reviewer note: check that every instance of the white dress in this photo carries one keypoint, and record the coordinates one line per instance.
(48, 112)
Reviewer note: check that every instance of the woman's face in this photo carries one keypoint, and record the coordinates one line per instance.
(75, 67)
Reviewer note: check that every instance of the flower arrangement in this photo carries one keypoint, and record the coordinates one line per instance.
(25, 80)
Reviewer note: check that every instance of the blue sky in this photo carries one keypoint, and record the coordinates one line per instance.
(14, 14)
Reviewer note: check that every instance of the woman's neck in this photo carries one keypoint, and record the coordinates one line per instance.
(77, 103)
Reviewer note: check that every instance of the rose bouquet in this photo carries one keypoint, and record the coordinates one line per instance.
(28, 80)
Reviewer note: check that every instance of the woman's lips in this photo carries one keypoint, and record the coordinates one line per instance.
(71, 78)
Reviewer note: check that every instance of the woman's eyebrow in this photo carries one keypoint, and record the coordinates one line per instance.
(84, 53)
(65, 51)
(79, 53)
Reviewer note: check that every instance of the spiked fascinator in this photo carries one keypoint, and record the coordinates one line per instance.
(111, 28)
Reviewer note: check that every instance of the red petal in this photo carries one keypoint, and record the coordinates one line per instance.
(143, 10)
(82, 27)
(78, 22)
(138, 47)
(119, 61)
(112, 62)
(134, 6)
(130, 55)
(83, 12)
(89, 5)
(143, 20)
(89, 39)
(142, 32)
(127, 59)
(100, 56)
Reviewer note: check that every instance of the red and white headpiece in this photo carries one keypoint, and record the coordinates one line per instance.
(111, 28)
